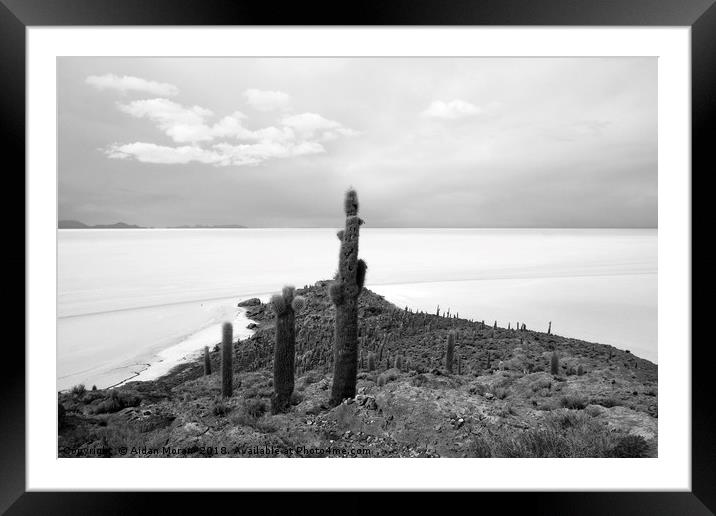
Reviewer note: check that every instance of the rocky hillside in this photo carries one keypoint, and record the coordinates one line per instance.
(501, 399)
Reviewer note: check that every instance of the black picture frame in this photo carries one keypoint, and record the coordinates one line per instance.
(17, 15)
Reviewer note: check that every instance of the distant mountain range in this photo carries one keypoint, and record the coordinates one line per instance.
(201, 226)
(75, 224)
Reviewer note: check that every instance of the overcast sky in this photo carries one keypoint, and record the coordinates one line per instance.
(427, 142)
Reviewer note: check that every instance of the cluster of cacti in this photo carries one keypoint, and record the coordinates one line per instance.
(450, 352)
(227, 351)
(388, 337)
(344, 292)
(285, 306)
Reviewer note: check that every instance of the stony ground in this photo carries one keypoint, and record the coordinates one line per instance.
(501, 401)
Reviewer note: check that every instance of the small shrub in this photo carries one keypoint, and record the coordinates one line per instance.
(220, 408)
(264, 425)
(310, 378)
(572, 402)
(631, 446)
(254, 408)
(565, 419)
(78, 390)
(252, 415)
(381, 380)
(478, 388)
(540, 384)
(419, 380)
(479, 447)
(607, 402)
(534, 443)
(117, 401)
(119, 435)
(391, 375)
(500, 392)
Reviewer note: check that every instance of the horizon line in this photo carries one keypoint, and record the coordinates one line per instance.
(216, 226)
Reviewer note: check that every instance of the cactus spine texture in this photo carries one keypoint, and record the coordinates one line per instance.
(450, 352)
(207, 361)
(344, 291)
(227, 371)
(285, 305)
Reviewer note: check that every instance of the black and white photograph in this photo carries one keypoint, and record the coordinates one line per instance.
(357, 257)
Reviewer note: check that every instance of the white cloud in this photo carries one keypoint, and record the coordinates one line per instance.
(189, 124)
(220, 154)
(249, 154)
(451, 110)
(182, 124)
(127, 83)
(312, 125)
(264, 100)
(152, 153)
(297, 135)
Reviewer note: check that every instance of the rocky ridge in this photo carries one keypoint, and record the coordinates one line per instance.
(500, 401)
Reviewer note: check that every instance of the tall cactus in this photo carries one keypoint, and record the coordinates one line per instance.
(450, 352)
(344, 291)
(285, 305)
(554, 363)
(549, 328)
(399, 362)
(227, 371)
(207, 361)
